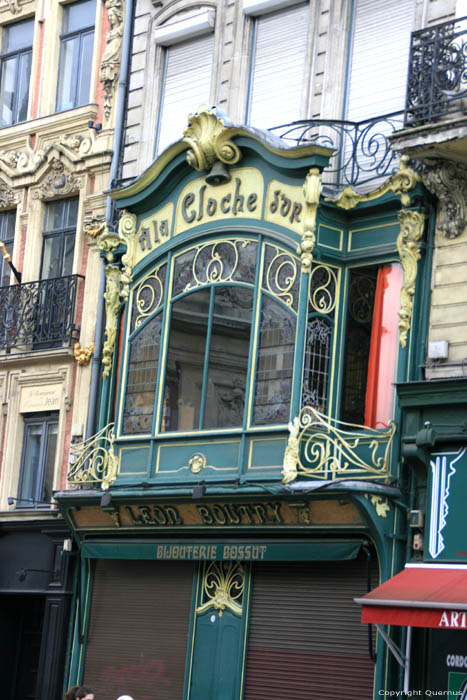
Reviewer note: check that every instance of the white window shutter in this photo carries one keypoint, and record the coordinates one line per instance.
(278, 67)
(379, 57)
(187, 85)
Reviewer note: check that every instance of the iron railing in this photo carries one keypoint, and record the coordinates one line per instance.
(363, 152)
(437, 72)
(38, 315)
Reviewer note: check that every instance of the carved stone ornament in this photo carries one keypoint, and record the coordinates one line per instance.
(107, 241)
(59, 181)
(13, 6)
(208, 140)
(311, 191)
(112, 306)
(110, 63)
(21, 161)
(447, 180)
(83, 355)
(7, 195)
(408, 245)
(93, 225)
(291, 455)
(401, 183)
(77, 142)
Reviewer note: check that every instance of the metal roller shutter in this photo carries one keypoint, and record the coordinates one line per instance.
(137, 638)
(305, 636)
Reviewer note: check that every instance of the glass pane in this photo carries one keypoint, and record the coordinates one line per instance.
(7, 225)
(5, 268)
(67, 267)
(54, 215)
(72, 212)
(23, 87)
(18, 36)
(185, 363)
(84, 82)
(51, 260)
(142, 375)
(69, 62)
(7, 90)
(317, 359)
(275, 364)
(79, 15)
(228, 357)
(32, 450)
(49, 463)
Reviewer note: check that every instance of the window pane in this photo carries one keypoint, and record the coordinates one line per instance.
(185, 363)
(142, 375)
(54, 215)
(69, 248)
(51, 260)
(31, 463)
(228, 357)
(49, 462)
(23, 87)
(5, 275)
(7, 90)
(18, 36)
(84, 82)
(69, 63)
(275, 364)
(79, 15)
(317, 359)
(71, 212)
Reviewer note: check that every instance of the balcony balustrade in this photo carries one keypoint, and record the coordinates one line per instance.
(437, 79)
(38, 315)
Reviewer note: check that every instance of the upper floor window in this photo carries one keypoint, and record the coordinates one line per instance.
(15, 71)
(277, 67)
(7, 237)
(38, 459)
(187, 64)
(58, 238)
(76, 49)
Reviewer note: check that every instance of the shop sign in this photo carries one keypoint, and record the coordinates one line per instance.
(447, 663)
(45, 397)
(448, 485)
(453, 619)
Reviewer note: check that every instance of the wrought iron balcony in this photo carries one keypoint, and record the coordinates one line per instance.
(437, 72)
(363, 151)
(38, 315)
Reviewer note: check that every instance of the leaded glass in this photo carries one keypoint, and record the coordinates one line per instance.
(317, 359)
(275, 364)
(142, 375)
(148, 296)
(281, 275)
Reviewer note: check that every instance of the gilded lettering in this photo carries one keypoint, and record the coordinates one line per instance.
(206, 516)
(296, 211)
(160, 515)
(173, 516)
(146, 515)
(275, 202)
(160, 551)
(202, 552)
(276, 508)
(219, 515)
(285, 206)
(251, 201)
(233, 517)
(211, 206)
(260, 511)
(144, 239)
(187, 200)
(246, 511)
(196, 552)
(201, 202)
(135, 520)
(225, 206)
(238, 198)
(213, 550)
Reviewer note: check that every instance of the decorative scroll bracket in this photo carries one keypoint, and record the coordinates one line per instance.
(93, 461)
(408, 245)
(324, 448)
(223, 587)
(447, 180)
(311, 190)
(208, 140)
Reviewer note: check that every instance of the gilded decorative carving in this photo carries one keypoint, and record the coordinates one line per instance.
(311, 191)
(110, 63)
(381, 505)
(408, 245)
(83, 355)
(93, 461)
(107, 241)
(59, 181)
(93, 225)
(402, 182)
(127, 233)
(323, 285)
(112, 306)
(197, 462)
(7, 195)
(324, 448)
(208, 140)
(447, 180)
(223, 587)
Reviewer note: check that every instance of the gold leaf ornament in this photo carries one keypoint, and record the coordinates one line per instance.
(208, 140)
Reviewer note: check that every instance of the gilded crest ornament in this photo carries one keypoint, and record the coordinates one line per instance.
(223, 587)
(208, 140)
(408, 245)
(83, 355)
(311, 191)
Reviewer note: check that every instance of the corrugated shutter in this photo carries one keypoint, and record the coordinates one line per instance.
(305, 636)
(187, 85)
(379, 59)
(278, 67)
(137, 638)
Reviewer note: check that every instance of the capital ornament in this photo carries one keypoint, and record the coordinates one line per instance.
(408, 245)
(208, 140)
(7, 195)
(447, 180)
(311, 191)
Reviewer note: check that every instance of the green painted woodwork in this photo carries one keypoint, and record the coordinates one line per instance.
(216, 458)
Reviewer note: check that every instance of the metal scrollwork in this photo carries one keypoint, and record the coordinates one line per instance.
(215, 262)
(280, 276)
(93, 461)
(223, 587)
(324, 448)
(323, 283)
(361, 298)
(148, 296)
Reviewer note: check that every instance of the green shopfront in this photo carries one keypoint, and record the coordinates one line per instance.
(246, 482)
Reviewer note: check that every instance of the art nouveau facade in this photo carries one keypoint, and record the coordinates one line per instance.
(58, 71)
(274, 304)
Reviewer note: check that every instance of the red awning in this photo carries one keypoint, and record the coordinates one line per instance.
(422, 595)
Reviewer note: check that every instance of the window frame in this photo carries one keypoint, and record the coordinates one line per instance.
(20, 54)
(45, 421)
(62, 233)
(63, 38)
(4, 216)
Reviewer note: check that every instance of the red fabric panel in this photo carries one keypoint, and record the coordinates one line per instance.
(414, 617)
